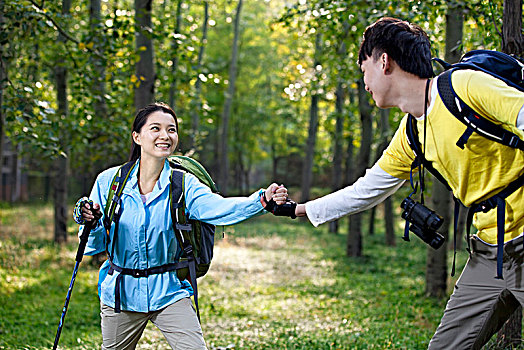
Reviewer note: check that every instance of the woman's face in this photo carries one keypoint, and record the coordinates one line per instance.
(158, 137)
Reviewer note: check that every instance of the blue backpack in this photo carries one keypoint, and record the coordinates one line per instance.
(508, 69)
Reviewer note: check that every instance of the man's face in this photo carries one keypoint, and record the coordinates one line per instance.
(376, 80)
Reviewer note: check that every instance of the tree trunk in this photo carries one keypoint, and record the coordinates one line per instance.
(349, 174)
(337, 148)
(454, 29)
(354, 241)
(228, 103)
(99, 87)
(61, 167)
(385, 135)
(145, 67)
(390, 223)
(371, 222)
(174, 48)
(461, 228)
(383, 144)
(512, 43)
(512, 40)
(197, 102)
(307, 170)
(339, 126)
(436, 262)
(3, 84)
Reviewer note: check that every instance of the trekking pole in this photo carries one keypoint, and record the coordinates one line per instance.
(79, 254)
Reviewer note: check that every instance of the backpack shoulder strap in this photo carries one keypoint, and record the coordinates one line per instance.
(115, 192)
(413, 141)
(177, 202)
(473, 120)
(182, 228)
(113, 208)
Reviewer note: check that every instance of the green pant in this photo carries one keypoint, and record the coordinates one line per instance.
(177, 322)
(480, 303)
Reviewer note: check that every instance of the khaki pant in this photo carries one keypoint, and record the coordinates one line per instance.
(177, 322)
(480, 303)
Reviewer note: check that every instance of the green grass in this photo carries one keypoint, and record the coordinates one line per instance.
(274, 284)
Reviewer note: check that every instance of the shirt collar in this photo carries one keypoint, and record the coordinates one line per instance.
(160, 186)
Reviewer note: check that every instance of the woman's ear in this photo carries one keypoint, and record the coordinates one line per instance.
(136, 137)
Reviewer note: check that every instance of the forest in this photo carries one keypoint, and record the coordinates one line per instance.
(264, 91)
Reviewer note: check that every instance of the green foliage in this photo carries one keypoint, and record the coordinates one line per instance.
(277, 74)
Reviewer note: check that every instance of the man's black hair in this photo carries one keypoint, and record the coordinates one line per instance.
(407, 44)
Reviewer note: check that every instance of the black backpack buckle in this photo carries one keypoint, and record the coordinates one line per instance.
(188, 250)
(514, 141)
(140, 273)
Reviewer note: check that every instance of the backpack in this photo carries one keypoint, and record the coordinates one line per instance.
(508, 69)
(196, 238)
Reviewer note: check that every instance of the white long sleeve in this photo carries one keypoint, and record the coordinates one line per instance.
(371, 189)
(520, 119)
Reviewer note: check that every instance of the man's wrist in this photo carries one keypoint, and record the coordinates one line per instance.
(300, 210)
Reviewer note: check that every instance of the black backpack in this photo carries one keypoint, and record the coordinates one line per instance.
(508, 69)
(196, 238)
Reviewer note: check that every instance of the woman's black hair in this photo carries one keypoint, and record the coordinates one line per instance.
(406, 43)
(140, 121)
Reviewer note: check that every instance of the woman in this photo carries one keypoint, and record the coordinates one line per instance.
(145, 237)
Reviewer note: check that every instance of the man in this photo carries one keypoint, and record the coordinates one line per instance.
(395, 59)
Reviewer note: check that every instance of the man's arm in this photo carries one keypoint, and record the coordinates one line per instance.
(371, 189)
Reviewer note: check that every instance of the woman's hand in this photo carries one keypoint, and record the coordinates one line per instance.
(276, 192)
(91, 213)
(85, 210)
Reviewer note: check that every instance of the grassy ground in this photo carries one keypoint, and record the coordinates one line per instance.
(274, 284)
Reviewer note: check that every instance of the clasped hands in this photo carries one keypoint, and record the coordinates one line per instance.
(276, 201)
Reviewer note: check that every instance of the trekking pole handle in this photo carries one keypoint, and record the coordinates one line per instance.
(85, 232)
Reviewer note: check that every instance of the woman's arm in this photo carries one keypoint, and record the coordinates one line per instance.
(204, 205)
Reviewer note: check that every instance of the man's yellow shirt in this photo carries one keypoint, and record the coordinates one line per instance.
(484, 167)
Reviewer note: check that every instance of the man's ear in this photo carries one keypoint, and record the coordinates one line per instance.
(136, 137)
(387, 63)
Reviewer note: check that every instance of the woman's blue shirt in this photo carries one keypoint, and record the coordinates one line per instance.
(145, 236)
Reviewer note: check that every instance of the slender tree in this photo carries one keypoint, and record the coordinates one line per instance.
(145, 68)
(436, 263)
(512, 38)
(339, 124)
(174, 48)
(61, 163)
(512, 43)
(307, 170)
(97, 36)
(3, 83)
(197, 100)
(354, 239)
(226, 112)
(385, 135)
